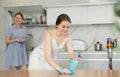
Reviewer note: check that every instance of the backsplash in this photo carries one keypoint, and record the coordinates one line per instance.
(88, 33)
(38, 34)
(91, 34)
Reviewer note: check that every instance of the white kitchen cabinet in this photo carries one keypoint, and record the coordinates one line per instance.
(78, 14)
(116, 64)
(82, 14)
(97, 61)
(116, 55)
(98, 65)
(91, 60)
(100, 14)
(63, 60)
(116, 61)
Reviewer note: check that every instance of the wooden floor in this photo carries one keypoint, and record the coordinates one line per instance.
(43, 73)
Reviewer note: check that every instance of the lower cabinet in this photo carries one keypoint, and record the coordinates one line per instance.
(116, 64)
(95, 61)
(63, 63)
(116, 61)
(98, 65)
(83, 64)
(66, 64)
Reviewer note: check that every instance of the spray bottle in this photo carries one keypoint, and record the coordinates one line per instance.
(74, 62)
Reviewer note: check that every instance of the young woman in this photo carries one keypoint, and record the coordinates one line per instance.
(15, 38)
(56, 40)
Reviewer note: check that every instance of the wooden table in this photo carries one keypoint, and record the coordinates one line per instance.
(44, 73)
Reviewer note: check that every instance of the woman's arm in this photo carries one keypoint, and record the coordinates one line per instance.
(8, 40)
(69, 47)
(48, 57)
(8, 36)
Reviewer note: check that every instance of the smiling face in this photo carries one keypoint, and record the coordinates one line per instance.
(18, 19)
(63, 27)
(63, 23)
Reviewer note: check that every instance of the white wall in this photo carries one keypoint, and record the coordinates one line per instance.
(2, 39)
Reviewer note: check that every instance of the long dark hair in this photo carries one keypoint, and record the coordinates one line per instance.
(62, 17)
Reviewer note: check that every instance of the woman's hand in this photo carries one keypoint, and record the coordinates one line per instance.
(71, 55)
(66, 71)
(20, 40)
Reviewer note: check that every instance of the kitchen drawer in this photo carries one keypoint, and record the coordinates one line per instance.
(97, 56)
(91, 61)
(116, 56)
(62, 56)
(98, 65)
(116, 64)
(63, 63)
(83, 65)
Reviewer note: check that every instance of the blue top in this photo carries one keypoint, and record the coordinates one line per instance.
(16, 52)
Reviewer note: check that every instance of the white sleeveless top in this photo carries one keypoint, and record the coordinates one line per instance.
(37, 58)
(55, 49)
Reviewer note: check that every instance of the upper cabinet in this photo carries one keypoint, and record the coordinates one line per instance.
(100, 14)
(82, 14)
(33, 15)
(78, 14)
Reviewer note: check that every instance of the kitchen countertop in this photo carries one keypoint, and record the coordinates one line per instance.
(46, 73)
(91, 52)
(91, 55)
